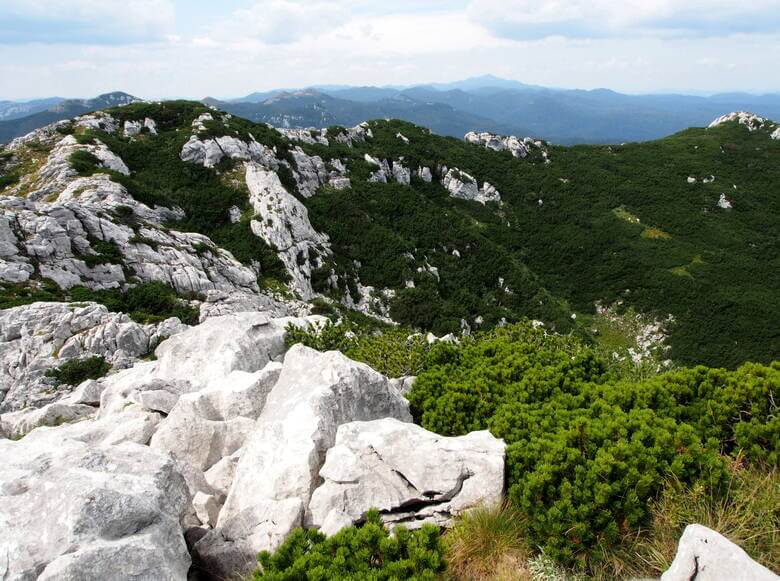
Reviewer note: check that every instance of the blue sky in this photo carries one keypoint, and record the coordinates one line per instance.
(173, 48)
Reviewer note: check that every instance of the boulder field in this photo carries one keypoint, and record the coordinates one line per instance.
(192, 462)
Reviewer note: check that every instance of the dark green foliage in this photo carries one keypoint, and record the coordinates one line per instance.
(84, 162)
(18, 294)
(715, 273)
(146, 302)
(8, 180)
(365, 553)
(75, 371)
(149, 302)
(588, 450)
(105, 253)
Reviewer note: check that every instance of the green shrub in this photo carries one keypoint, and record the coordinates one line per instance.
(148, 302)
(394, 352)
(84, 162)
(75, 371)
(365, 553)
(587, 450)
(105, 253)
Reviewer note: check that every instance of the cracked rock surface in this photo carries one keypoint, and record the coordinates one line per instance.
(412, 476)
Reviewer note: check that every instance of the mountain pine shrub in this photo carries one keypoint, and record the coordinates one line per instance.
(588, 450)
(75, 371)
(364, 553)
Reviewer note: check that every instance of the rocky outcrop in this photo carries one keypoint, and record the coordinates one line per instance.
(775, 134)
(39, 337)
(751, 121)
(409, 474)
(705, 555)
(518, 147)
(463, 186)
(283, 223)
(315, 394)
(133, 128)
(388, 170)
(209, 152)
(56, 239)
(188, 433)
(81, 512)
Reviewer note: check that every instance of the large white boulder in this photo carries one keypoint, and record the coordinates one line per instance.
(208, 352)
(280, 463)
(706, 555)
(409, 474)
(72, 511)
(206, 426)
(203, 356)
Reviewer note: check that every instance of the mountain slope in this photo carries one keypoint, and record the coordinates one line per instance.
(60, 109)
(16, 109)
(434, 232)
(311, 108)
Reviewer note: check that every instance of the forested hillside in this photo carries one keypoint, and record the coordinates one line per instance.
(453, 235)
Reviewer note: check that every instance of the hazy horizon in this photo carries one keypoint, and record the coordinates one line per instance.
(160, 49)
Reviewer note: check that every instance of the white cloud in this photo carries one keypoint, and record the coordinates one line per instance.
(598, 18)
(84, 21)
(290, 43)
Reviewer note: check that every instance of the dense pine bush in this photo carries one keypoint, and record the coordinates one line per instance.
(587, 449)
(364, 553)
(75, 371)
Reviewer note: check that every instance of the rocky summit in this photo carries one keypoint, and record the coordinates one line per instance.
(219, 339)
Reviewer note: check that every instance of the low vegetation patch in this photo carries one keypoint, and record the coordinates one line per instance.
(149, 302)
(364, 553)
(75, 371)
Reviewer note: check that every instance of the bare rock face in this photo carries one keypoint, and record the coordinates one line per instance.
(283, 223)
(749, 120)
(38, 337)
(705, 555)
(316, 393)
(411, 475)
(80, 512)
(464, 186)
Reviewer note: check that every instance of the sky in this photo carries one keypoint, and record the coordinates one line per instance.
(197, 48)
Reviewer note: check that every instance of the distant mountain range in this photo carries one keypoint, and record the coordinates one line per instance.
(484, 103)
(44, 111)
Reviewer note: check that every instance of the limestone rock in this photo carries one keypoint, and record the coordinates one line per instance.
(316, 393)
(80, 512)
(424, 173)
(18, 424)
(706, 555)
(221, 303)
(283, 223)
(209, 352)
(41, 336)
(518, 147)
(464, 186)
(749, 120)
(208, 425)
(411, 475)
